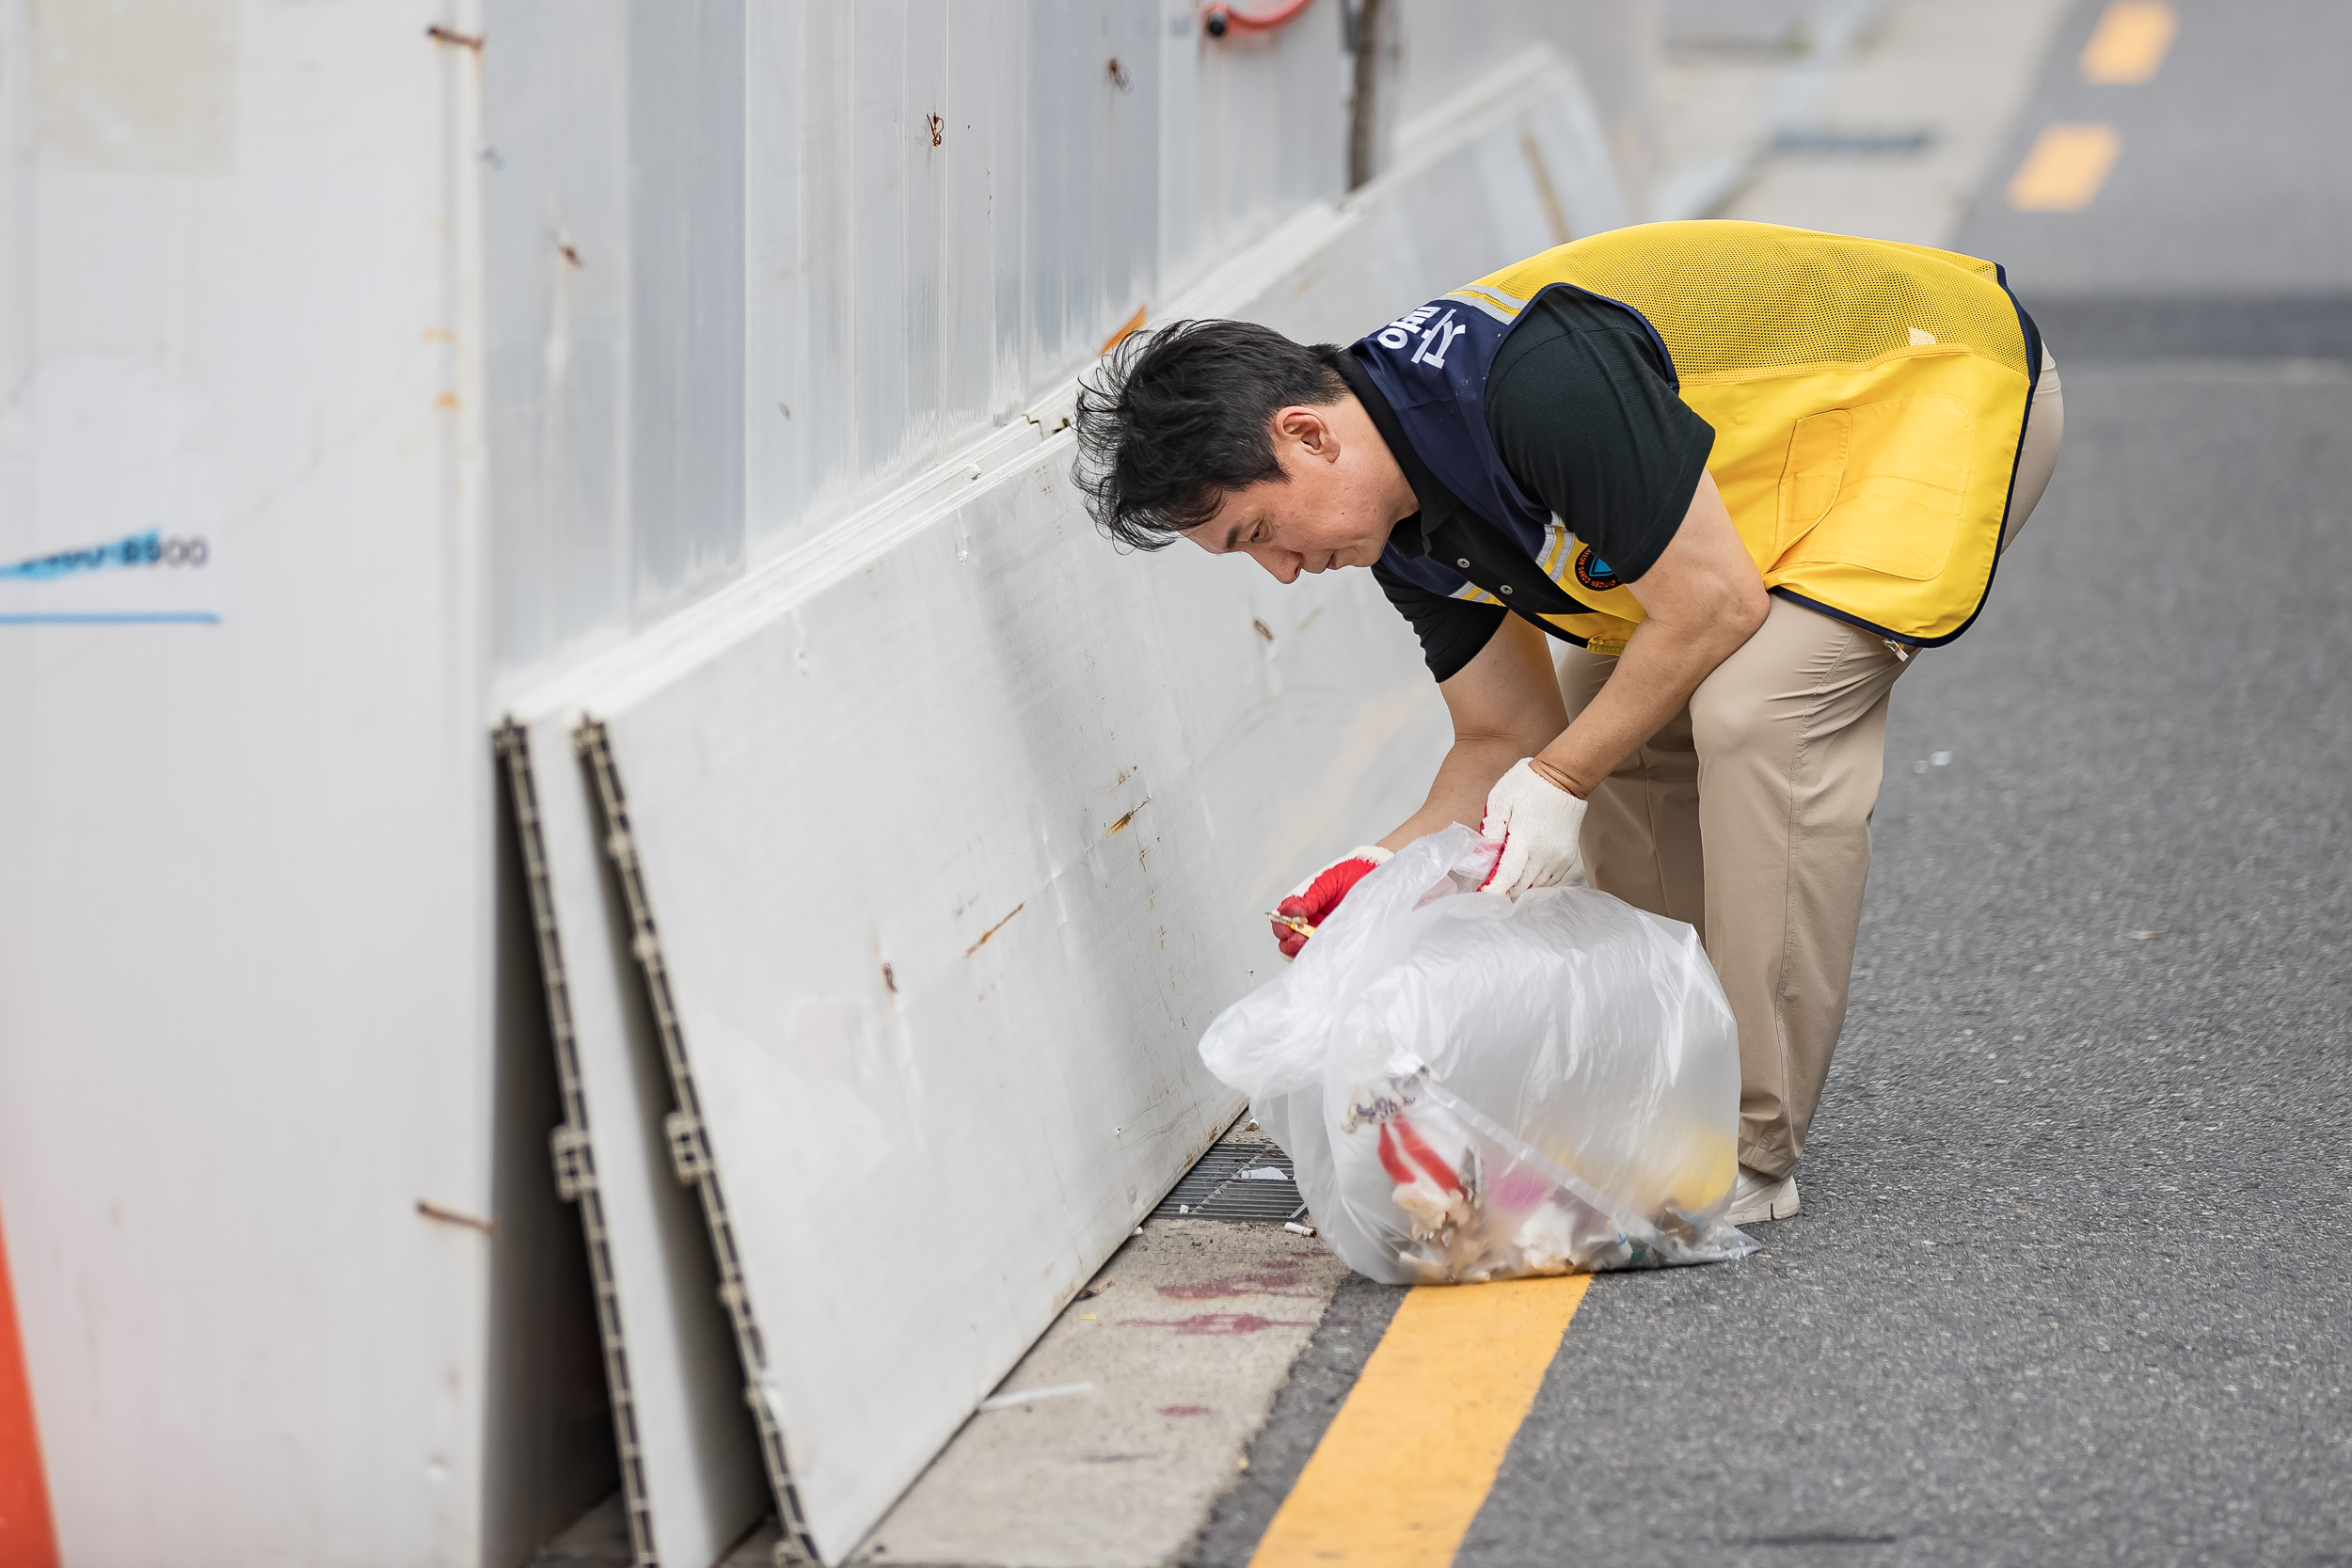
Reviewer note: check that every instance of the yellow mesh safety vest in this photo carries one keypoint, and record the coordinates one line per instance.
(1869, 400)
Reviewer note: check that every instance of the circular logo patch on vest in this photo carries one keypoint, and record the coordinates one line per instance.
(1594, 573)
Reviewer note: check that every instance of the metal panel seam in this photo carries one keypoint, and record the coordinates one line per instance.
(574, 1156)
(796, 1546)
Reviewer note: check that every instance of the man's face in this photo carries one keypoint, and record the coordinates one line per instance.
(1339, 499)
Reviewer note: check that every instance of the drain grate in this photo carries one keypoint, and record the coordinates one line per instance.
(1219, 1189)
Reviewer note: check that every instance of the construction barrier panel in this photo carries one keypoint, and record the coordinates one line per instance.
(940, 841)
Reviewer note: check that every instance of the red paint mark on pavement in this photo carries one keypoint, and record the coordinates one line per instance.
(1278, 1280)
(1216, 1322)
(1184, 1410)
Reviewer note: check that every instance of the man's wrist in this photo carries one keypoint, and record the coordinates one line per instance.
(1558, 778)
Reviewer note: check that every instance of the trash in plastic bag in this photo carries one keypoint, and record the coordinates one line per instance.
(1472, 1088)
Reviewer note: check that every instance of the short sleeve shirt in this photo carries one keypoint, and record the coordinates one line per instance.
(1583, 412)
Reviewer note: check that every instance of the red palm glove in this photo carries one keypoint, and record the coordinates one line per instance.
(1311, 902)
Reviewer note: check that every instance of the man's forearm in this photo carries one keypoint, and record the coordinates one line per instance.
(1700, 600)
(1655, 676)
(1459, 792)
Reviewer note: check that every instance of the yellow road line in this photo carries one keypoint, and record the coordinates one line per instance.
(1411, 1455)
(2130, 41)
(2065, 169)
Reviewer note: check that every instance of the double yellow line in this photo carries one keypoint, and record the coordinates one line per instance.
(2069, 162)
(1409, 1459)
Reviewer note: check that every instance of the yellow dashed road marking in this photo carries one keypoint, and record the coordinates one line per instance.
(1411, 1455)
(2129, 42)
(2065, 169)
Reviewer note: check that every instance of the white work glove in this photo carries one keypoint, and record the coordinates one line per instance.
(1538, 823)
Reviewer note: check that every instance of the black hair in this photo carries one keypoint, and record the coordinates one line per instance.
(1171, 423)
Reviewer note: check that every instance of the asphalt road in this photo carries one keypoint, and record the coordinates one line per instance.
(2072, 1282)
(2071, 1285)
(2231, 188)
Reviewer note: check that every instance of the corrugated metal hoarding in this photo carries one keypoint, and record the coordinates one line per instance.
(944, 211)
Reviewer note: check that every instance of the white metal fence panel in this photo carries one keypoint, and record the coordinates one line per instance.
(752, 266)
(952, 206)
(615, 219)
(245, 1041)
(691, 1477)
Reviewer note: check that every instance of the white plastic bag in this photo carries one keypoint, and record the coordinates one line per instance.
(1473, 1089)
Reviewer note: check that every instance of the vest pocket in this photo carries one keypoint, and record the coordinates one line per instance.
(1879, 486)
(1808, 485)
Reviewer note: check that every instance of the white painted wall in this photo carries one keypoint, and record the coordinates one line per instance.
(245, 866)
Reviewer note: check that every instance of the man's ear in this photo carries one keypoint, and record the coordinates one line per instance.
(1310, 427)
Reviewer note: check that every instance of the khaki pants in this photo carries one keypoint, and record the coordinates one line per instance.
(1748, 816)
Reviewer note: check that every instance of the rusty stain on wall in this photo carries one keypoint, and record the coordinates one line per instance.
(450, 1216)
(993, 929)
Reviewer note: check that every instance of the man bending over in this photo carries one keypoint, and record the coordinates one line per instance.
(1670, 509)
